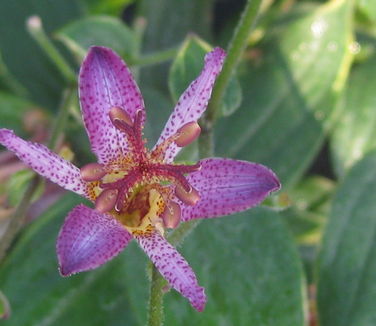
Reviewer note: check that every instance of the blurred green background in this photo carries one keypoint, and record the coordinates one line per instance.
(303, 102)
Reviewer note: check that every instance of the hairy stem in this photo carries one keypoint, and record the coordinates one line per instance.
(156, 316)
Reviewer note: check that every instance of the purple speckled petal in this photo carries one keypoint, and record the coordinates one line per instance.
(105, 82)
(227, 186)
(45, 162)
(173, 268)
(88, 239)
(194, 100)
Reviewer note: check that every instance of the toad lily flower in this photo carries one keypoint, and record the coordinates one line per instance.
(137, 192)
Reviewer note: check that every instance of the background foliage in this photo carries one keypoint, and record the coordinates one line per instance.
(302, 102)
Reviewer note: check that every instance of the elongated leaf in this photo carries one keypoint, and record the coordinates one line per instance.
(97, 30)
(4, 307)
(368, 8)
(113, 7)
(310, 203)
(290, 91)
(187, 66)
(23, 57)
(355, 133)
(347, 268)
(12, 112)
(251, 272)
(168, 23)
(37, 293)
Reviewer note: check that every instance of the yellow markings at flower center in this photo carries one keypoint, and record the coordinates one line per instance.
(143, 214)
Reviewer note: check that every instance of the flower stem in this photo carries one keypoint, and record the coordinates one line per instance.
(17, 220)
(35, 28)
(62, 116)
(234, 53)
(157, 284)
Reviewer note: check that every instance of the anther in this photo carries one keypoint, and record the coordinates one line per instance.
(171, 215)
(92, 172)
(187, 134)
(117, 113)
(190, 197)
(106, 200)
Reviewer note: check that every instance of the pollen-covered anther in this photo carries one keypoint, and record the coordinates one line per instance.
(92, 172)
(106, 200)
(190, 197)
(187, 134)
(117, 113)
(171, 215)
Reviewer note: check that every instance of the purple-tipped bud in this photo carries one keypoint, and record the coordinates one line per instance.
(92, 172)
(171, 215)
(106, 200)
(187, 134)
(190, 198)
(117, 113)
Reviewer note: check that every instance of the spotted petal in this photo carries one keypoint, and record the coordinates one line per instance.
(194, 100)
(44, 162)
(173, 268)
(88, 239)
(227, 186)
(105, 82)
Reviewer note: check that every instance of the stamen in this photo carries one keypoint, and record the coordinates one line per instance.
(190, 197)
(106, 200)
(124, 127)
(92, 172)
(182, 168)
(117, 113)
(187, 134)
(171, 215)
(172, 176)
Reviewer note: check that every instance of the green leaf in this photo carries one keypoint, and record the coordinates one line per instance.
(290, 90)
(169, 22)
(250, 270)
(12, 112)
(347, 265)
(310, 203)
(355, 132)
(18, 184)
(368, 9)
(8, 82)
(97, 30)
(188, 65)
(4, 307)
(37, 293)
(110, 7)
(22, 56)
